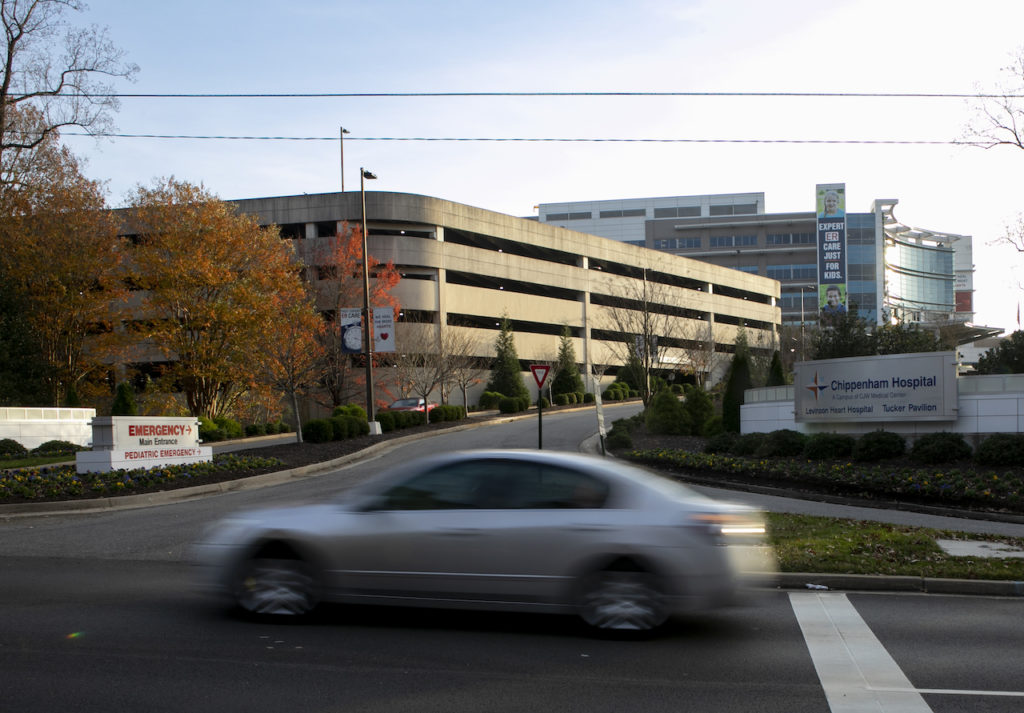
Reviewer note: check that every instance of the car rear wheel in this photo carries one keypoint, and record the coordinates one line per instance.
(278, 587)
(613, 600)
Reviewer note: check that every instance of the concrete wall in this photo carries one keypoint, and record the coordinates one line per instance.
(987, 405)
(32, 427)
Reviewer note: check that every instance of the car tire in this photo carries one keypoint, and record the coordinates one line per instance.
(622, 601)
(276, 587)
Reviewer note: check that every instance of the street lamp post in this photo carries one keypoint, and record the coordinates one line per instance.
(802, 288)
(375, 429)
(341, 149)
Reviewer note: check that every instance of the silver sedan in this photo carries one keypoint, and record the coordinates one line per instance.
(502, 530)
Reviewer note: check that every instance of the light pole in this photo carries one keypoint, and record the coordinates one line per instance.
(802, 288)
(375, 429)
(341, 148)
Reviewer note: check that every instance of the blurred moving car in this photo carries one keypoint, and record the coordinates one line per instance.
(412, 404)
(501, 530)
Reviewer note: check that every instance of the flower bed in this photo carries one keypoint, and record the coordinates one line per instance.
(64, 483)
(951, 486)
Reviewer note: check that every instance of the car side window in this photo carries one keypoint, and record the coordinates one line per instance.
(537, 486)
(445, 488)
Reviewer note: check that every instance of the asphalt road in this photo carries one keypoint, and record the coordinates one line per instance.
(98, 614)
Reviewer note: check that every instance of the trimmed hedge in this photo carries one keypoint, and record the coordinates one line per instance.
(879, 445)
(941, 447)
(1005, 449)
(10, 448)
(826, 446)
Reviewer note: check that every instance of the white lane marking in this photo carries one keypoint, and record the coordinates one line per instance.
(954, 692)
(856, 672)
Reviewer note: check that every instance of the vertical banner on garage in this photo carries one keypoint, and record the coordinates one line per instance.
(830, 200)
(383, 329)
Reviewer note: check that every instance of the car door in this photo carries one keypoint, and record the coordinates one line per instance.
(422, 537)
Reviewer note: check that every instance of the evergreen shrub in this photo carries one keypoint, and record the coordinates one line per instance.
(940, 447)
(829, 446)
(1001, 449)
(879, 445)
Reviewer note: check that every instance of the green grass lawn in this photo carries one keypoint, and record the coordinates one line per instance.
(830, 545)
(30, 461)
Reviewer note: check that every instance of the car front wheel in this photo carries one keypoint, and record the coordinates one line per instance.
(278, 587)
(622, 601)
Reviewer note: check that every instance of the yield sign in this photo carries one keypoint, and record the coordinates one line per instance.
(540, 373)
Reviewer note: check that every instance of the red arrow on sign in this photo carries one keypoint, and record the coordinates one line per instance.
(540, 373)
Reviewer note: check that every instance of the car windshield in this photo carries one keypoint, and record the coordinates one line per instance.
(402, 403)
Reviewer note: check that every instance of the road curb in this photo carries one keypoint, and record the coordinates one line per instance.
(883, 583)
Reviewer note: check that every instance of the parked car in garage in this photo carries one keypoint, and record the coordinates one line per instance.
(412, 404)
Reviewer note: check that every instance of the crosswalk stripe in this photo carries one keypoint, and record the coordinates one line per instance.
(856, 672)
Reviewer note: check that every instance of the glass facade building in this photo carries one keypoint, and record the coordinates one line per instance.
(894, 272)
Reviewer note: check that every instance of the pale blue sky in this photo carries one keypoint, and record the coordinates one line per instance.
(943, 46)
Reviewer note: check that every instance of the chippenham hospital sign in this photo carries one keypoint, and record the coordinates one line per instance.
(142, 442)
(895, 387)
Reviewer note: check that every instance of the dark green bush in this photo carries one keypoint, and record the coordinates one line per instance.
(749, 443)
(409, 419)
(255, 429)
(350, 410)
(618, 439)
(386, 419)
(940, 447)
(56, 448)
(342, 425)
(543, 402)
(588, 397)
(721, 443)
(665, 415)
(230, 427)
(10, 448)
(783, 443)
(447, 412)
(828, 446)
(879, 445)
(561, 399)
(490, 400)
(1001, 449)
(677, 389)
(699, 409)
(270, 428)
(209, 431)
(509, 404)
(318, 430)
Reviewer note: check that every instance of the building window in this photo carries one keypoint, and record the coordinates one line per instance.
(791, 239)
(628, 213)
(743, 209)
(733, 241)
(690, 211)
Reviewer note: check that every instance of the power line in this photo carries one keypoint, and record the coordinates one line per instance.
(416, 95)
(891, 142)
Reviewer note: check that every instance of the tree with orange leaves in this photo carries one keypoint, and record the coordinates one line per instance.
(210, 279)
(293, 352)
(60, 265)
(336, 275)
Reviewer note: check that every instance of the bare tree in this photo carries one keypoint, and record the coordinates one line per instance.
(418, 364)
(700, 351)
(58, 70)
(999, 121)
(466, 361)
(637, 319)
